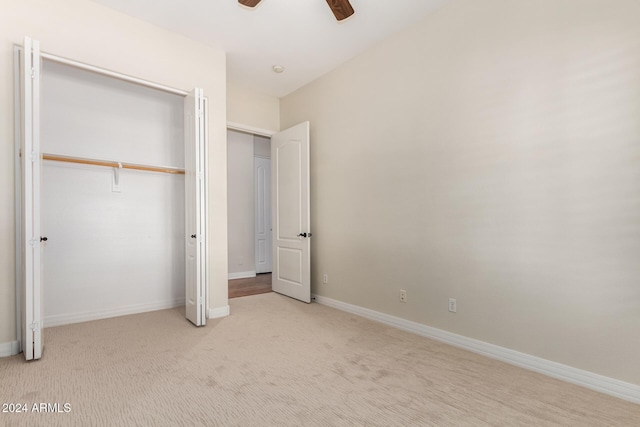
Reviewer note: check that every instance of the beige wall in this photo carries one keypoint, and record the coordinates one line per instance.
(489, 154)
(252, 109)
(240, 207)
(87, 32)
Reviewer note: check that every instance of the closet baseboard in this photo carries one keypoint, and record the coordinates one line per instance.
(66, 319)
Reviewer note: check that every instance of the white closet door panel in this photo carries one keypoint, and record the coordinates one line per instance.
(31, 340)
(195, 206)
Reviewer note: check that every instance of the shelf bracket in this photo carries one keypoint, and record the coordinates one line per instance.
(115, 185)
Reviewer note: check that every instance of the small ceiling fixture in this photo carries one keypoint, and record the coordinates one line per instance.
(341, 9)
(278, 69)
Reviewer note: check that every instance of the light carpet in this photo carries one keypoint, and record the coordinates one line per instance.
(279, 362)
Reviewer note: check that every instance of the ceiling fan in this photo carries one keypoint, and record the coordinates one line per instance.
(341, 8)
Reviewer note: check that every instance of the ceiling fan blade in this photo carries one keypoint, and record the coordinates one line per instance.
(249, 3)
(341, 8)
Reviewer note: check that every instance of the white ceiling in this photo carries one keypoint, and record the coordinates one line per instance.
(301, 35)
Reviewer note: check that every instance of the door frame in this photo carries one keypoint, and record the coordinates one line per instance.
(17, 51)
(239, 127)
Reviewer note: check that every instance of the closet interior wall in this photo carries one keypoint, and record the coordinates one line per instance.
(111, 249)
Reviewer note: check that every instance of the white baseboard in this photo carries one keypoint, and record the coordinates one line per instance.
(65, 319)
(10, 348)
(215, 313)
(606, 385)
(242, 275)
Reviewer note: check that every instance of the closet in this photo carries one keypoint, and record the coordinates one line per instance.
(111, 176)
(115, 236)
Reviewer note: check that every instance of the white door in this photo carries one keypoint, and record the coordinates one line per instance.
(262, 185)
(290, 212)
(30, 162)
(195, 142)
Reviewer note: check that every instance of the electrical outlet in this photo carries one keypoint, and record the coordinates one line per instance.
(403, 295)
(452, 305)
(325, 278)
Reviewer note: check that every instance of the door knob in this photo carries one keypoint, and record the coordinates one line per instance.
(193, 236)
(43, 239)
(302, 235)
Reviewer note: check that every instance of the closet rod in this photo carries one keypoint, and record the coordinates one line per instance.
(111, 164)
(113, 74)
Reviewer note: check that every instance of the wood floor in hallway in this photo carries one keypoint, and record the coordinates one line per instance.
(250, 286)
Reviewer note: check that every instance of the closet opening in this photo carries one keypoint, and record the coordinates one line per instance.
(112, 196)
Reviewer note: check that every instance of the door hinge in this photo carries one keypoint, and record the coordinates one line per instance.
(33, 156)
(33, 242)
(34, 326)
(33, 72)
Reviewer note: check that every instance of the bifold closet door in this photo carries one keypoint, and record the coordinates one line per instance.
(105, 257)
(195, 159)
(31, 240)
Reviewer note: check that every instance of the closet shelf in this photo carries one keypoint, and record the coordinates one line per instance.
(112, 164)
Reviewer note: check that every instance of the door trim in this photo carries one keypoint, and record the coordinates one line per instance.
(239, 127)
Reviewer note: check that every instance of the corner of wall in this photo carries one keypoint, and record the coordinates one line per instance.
(216, 313)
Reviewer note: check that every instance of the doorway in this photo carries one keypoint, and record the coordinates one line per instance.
(249, 213)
